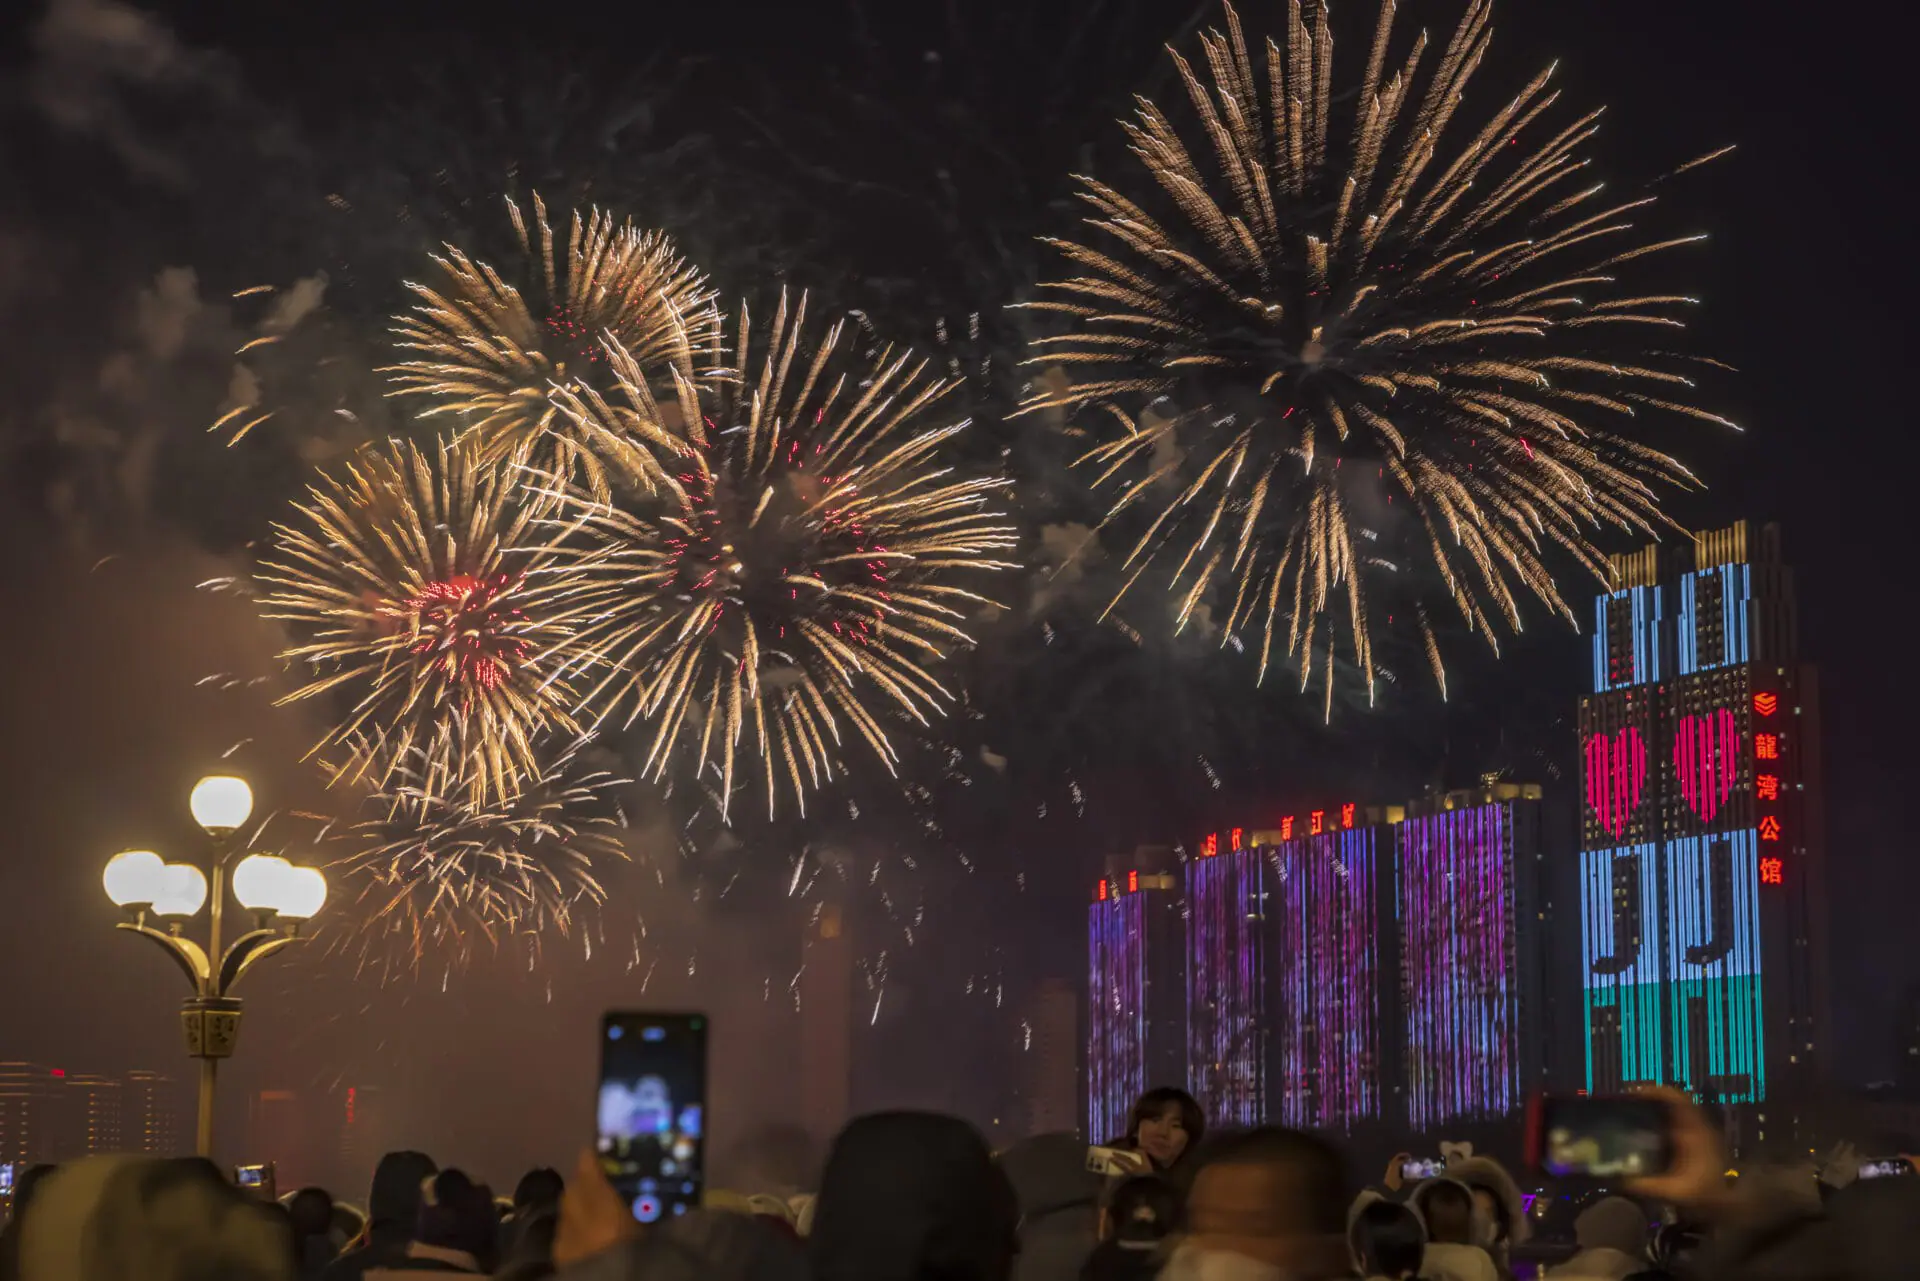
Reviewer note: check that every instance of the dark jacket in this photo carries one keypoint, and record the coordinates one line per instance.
(1059, 1202)
(393, 1204)
(1124, 1261)
(1779, 1231)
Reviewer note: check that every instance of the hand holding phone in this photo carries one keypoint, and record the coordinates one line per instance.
(1116, 1162)
(1600, 1138)
(652, 1110)
(256, 1180)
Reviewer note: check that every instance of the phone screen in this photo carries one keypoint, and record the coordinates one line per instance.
(1601, 1138)
(6, 1178)
(250, 1176)
(652, 1110)
(1423, 1169)
(1893, 1167)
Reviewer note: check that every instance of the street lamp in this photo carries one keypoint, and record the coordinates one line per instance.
(279, 895)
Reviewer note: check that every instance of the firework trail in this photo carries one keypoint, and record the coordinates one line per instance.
(1384, 291)
(804, 566)
(423, 589)
(524, 368)
(434, 872)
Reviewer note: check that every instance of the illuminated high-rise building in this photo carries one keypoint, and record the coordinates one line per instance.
(1229, 1016)
(151, 1115)
(30, 1112)
(1701, 877)
(94, 1114)
(1331, 971)
(1477, 947)
(1136, 995)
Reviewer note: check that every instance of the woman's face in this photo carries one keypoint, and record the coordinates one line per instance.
(1491, 1213)
(1163, 1136)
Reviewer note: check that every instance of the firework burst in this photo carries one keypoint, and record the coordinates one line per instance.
(806, 564)
(524, 367)
(424, 593)
(435, 872)
(1319, 305)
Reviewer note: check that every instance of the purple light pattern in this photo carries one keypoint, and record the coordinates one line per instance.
(1226, 986)
(1456, 968)
(1117, 1012)
(1326, 970)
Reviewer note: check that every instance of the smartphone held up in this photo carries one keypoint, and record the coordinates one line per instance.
(1604, 1139)
(652, 1123)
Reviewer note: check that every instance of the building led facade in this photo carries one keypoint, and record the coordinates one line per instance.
(1137, 999)
(1701, 897)
(1228, 1019)
(1328, 1037)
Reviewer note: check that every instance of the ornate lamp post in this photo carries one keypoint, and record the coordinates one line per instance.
(278, 894)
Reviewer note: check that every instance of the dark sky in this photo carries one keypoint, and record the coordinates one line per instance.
(1806, 279)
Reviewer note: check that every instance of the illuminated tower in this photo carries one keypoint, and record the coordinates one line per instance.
(1702, 898)
(30, 1098)
(1136, 995)
(1477, 949)
(93, 1108)
(152, 1118)
(1333, 970)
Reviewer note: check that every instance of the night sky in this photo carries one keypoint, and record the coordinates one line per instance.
(205, 135)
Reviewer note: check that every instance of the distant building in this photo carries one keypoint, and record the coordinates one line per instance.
(1906, 1043)
(364, 1133)
(1477, 977)
(1050, 1071)
(826, 1024)
(94, 1108)
(151, 1114)
(30, 1112)
(280, 1132)
(1136, 994)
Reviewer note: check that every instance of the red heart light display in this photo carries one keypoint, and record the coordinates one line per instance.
(1706, 755)
(1616, 771)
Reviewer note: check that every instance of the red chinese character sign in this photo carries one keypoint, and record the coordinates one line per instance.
(1768, 789)
(1346, 815)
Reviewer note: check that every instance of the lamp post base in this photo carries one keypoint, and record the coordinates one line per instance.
(211, 1025)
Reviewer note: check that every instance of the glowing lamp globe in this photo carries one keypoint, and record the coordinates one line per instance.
(183, 890)
(303, 892)
(221, 802)
(134, 877)
(260, 882)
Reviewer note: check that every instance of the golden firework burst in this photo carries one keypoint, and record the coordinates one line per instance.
(1329, 351)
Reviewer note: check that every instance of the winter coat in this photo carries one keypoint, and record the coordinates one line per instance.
(1441, 1261)
(1059, 1201)
(1603, 1263)
(424, 1262)
(392, 1206)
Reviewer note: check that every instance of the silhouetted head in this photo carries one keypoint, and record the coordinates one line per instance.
(538, 1190)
